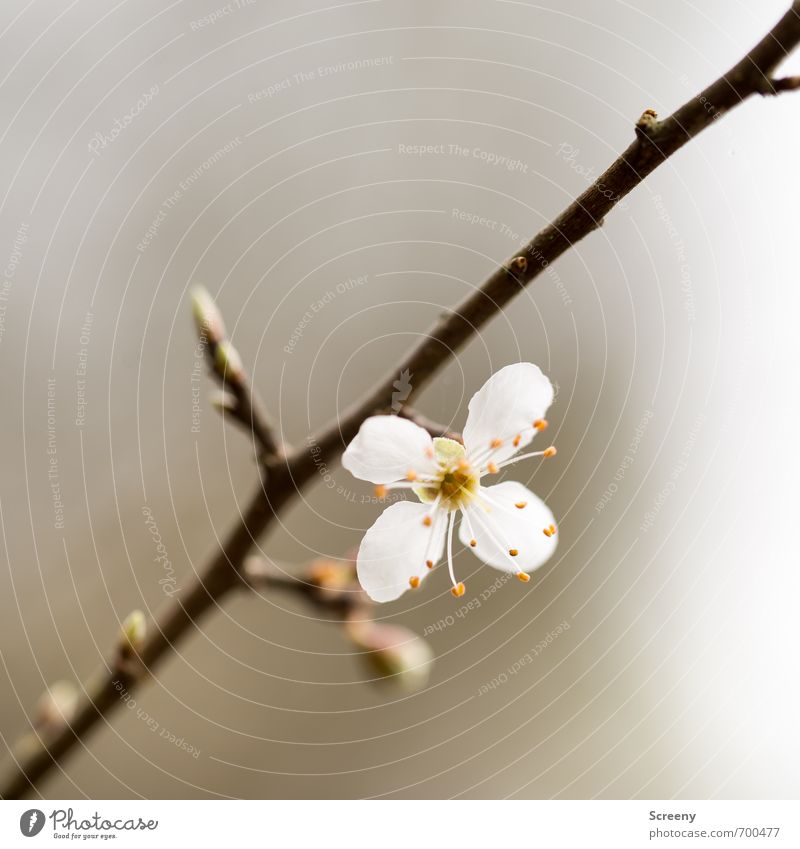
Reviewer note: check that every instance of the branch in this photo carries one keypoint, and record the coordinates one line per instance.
(433, 428)
(654, 142)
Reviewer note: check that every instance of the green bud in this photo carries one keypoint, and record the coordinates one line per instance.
(56, 707)
(207, 317)
(228, 363)
(395, 654)
(134, 631)
(223, 402)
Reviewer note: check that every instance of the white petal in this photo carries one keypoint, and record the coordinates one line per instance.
(508, 404)
(386, 448)
(500, 526)
(396, 547)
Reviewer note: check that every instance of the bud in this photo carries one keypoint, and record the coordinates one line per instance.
(394, 653)
(55, 708)
(134, 630)
(228, 363)
(223, 402)
(207, 317)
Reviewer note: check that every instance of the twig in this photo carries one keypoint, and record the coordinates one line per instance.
(237, 397)
(654, 142)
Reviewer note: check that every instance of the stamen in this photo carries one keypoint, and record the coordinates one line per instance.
(548, 452)
(411, 475)
(380, 491)
(524, 577)
(521, 505)
(465, 518)
(550, 531)
(496, 443)
(414, 582)
(517, 440)
(458, 590)
(429, 564)
(493, 538)
(450, 525)
(540, 424)
(427, 521)
(492, 468)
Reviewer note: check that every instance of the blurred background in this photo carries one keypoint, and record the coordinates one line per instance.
(338, 174)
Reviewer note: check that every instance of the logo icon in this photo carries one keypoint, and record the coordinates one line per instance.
(31, 822)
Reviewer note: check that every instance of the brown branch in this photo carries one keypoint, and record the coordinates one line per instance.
(433, 428)
(654, 142)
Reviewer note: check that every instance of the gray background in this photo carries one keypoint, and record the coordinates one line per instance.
(677, 675)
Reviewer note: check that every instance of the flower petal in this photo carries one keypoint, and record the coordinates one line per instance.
(386, 448)
(499, 526)
(507, 405)
(396, 548)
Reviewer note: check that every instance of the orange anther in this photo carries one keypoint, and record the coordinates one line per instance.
(380, 491)
(414, 581)
(411, 475)
(524, 577)
(473, 543)
(540, 424)
(492, 468)
(496, 443)
(547, 532)
(550, 452)
(429, 564)
(521, 504)
(458, 590)
(463, 464)
(427, 521)
(517, 440)
(513, 552)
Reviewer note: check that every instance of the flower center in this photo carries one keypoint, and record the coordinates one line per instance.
(456, 483)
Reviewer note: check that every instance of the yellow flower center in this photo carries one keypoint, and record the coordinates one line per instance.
(456, 482)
